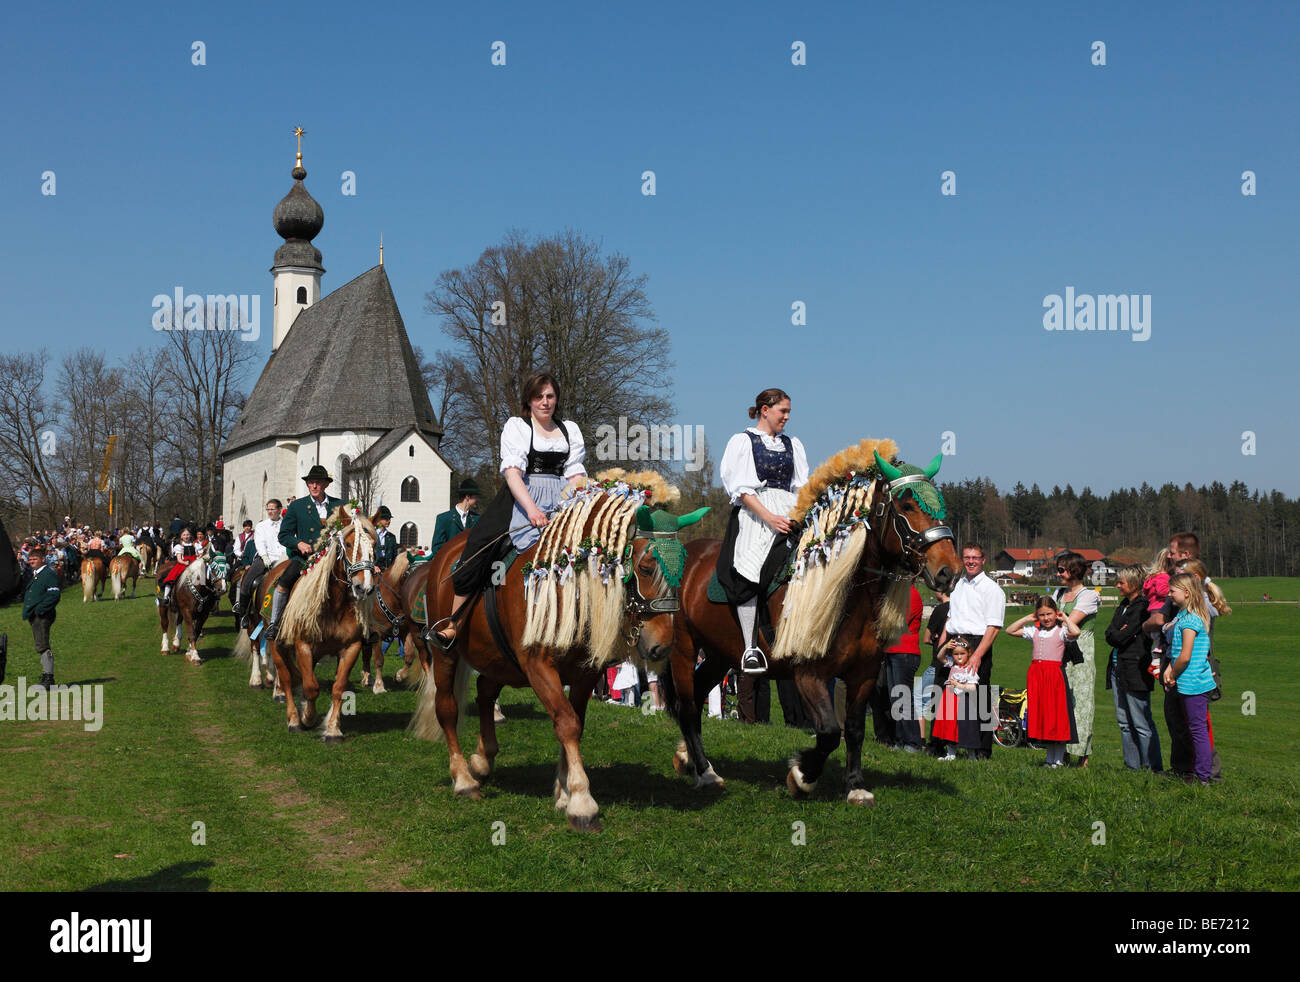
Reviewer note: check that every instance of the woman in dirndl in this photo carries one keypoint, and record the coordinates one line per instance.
(540, 456)
(762, 470)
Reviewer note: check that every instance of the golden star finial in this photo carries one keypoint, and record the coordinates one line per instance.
(299, 132)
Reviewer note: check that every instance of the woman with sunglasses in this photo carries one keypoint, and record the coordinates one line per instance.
(1080, 606)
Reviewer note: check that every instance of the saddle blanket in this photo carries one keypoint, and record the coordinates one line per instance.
(718, 596)
(419, 613)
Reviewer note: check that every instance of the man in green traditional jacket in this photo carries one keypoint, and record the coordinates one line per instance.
(42, 596)
(456, 520)
(300, 527)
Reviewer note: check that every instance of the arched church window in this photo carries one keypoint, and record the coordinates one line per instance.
(409, 537)
(410, 451)
(302, 294)
(410, 489)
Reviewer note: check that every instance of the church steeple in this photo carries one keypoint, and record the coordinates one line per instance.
(297, 270)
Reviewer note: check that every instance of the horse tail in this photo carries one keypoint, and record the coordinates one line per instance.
(119, 579)
(243, 646)
(87, 580)
(424, 721)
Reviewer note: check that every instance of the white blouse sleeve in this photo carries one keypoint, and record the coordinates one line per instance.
(1088, 601)
(577, 450)
(800, 477)
(1028, 633)
(515, 437)
(737, 470)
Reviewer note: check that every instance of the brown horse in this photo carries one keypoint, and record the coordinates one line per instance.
(901, 542)
(94, 574)
(195, 595)
(148, 556)
(330, 612)
(576, 627)
(121, 569)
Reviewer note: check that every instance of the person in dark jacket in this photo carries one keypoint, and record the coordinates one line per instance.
(300, 527)
(385, 541)
(455, 520)
(39, 603)
(1127, 675)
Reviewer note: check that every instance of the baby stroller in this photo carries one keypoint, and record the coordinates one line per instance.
(1013, 719)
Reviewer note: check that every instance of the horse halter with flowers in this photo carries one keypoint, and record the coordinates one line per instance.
(914, 542)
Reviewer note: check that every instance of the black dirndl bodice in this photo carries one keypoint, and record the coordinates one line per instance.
(474, 573)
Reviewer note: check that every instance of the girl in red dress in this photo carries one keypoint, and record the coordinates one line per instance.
(1049, 699)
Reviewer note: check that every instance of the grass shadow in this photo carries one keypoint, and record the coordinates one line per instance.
(629, 784)
(176, 878)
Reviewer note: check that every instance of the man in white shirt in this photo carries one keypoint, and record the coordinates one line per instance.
(266, 539)
(976, 613)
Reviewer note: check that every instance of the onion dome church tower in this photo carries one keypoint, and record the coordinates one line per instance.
(298, 219)
(342, 389)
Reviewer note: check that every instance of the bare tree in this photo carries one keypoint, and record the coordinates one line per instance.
(204, 372)
(553, 304)
(147, 469)
(25, 414)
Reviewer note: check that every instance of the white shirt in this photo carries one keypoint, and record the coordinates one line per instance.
(739, 475)
(976, 605)
(266, 537)
(516, 434)
(464, 515)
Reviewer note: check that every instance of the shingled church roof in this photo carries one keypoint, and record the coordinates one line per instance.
(345, 364)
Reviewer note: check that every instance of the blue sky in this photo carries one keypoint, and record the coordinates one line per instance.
(775, 184)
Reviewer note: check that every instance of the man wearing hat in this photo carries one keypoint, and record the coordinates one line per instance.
(299, 529)
(386, 542)
(456, 520)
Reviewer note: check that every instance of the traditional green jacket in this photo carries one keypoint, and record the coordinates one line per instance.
(301, 523)
(43, 593)
(386, 551)
(448, 525)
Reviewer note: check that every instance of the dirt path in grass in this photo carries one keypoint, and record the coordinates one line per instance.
(329, 836)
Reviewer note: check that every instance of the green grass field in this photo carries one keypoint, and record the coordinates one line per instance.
(115, 809)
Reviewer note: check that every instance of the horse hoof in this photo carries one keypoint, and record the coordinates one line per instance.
(255, 685)
(331, 738)
(799, 790)
(682, 764)
(280, 698)
(479, 767)
(473, 794)
(584, 823)
(295, 728)
(709, 779)
(861, 797)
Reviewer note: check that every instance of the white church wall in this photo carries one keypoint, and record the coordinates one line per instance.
(413, 457)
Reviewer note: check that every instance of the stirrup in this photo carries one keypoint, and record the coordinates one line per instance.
(753, 662)
(431, 634)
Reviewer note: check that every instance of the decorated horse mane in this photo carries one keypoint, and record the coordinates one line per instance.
(833, 508)
(194, 575)
(574, 590)
(302, 614)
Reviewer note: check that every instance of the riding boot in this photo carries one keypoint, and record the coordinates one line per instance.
(278, 599)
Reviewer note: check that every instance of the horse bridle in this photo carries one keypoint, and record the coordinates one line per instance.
(637, 605)
(914, 543)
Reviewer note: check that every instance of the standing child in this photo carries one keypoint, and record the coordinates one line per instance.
(957, 720)
(1049, 699)
(1156, 589)
(1189, 668)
